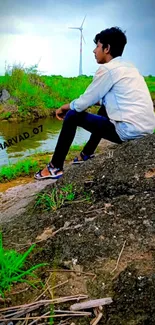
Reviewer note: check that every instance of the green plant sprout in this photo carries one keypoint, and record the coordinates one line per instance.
(12, 267)
(56, 198)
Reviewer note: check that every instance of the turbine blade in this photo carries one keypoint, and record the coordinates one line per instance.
(83, 38)
(73, 27)
(83, 20)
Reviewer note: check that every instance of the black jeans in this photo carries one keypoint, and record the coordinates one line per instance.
(99, 125)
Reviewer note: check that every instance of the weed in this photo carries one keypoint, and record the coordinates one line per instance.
(12, 267)
(11, 101)
(87, 196)
(56, 198)
(51, 320)
(6, 115)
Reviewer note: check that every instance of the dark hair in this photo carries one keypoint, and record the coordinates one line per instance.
(115, 38)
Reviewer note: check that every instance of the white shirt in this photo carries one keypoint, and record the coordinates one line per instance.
(120, 87)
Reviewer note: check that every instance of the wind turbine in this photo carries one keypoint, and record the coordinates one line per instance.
(81, 37)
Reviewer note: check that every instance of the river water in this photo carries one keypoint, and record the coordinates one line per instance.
(27, 138)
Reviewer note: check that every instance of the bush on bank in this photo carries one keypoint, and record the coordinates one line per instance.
(30, 90)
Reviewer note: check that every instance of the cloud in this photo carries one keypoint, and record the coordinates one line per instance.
(33, 29)
(15, 25)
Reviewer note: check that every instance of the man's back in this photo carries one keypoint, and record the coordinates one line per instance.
(128, 99)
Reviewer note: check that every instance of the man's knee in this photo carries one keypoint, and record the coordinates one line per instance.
(73, 115)
(70, 114)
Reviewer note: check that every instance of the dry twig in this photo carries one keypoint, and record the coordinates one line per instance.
(94, 210)
(119, 257)
(34, 321)
(86, 273)
(48, 316)
(97, 319)
(57, 286)
(43, 302)
(91, 304)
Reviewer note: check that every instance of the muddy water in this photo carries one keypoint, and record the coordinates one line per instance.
(19, 140)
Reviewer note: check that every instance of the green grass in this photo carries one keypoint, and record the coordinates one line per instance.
(56, 198)
(77, 147)
(12, 268)
(150, 80)
(12, 171)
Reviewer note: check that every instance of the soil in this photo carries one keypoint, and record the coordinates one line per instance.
(107, 230)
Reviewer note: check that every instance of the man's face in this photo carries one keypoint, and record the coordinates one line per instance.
(100, 54)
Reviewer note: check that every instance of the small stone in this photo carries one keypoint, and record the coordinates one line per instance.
(140, 277)
(74, 261)
(146, 223)
(131, 236)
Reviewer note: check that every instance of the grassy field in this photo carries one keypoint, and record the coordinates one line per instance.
(30, 91)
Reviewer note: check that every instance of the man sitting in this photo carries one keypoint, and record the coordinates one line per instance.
(126, 106)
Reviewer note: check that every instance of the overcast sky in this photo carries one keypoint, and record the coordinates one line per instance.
(33, 31)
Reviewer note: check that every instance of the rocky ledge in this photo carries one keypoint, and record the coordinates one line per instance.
(107, 229)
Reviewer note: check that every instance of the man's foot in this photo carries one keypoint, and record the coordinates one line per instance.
(48, 172)
(82, 158)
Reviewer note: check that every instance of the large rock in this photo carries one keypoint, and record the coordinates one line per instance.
(121, 183)
(117, 220)
(4, 95)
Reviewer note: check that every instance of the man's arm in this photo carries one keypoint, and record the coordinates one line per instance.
(91, 90)
(100, 86)
(61, 112)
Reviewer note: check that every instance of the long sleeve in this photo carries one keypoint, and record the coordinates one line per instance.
(101, 84)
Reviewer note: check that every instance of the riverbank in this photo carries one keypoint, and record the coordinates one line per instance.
(29, 96)
(10, 113)
(100, 243)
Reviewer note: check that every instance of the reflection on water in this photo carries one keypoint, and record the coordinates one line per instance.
(43, 141)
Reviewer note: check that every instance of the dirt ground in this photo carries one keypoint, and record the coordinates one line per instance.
(111, 234)
(18, 193)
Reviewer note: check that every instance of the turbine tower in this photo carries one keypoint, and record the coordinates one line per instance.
(81, 37)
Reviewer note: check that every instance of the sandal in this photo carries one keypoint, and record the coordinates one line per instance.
(55, 173)
(84, 157)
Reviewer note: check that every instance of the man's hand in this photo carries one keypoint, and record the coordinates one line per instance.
(61, 112)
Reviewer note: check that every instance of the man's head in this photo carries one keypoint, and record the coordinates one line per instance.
(110, 43)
